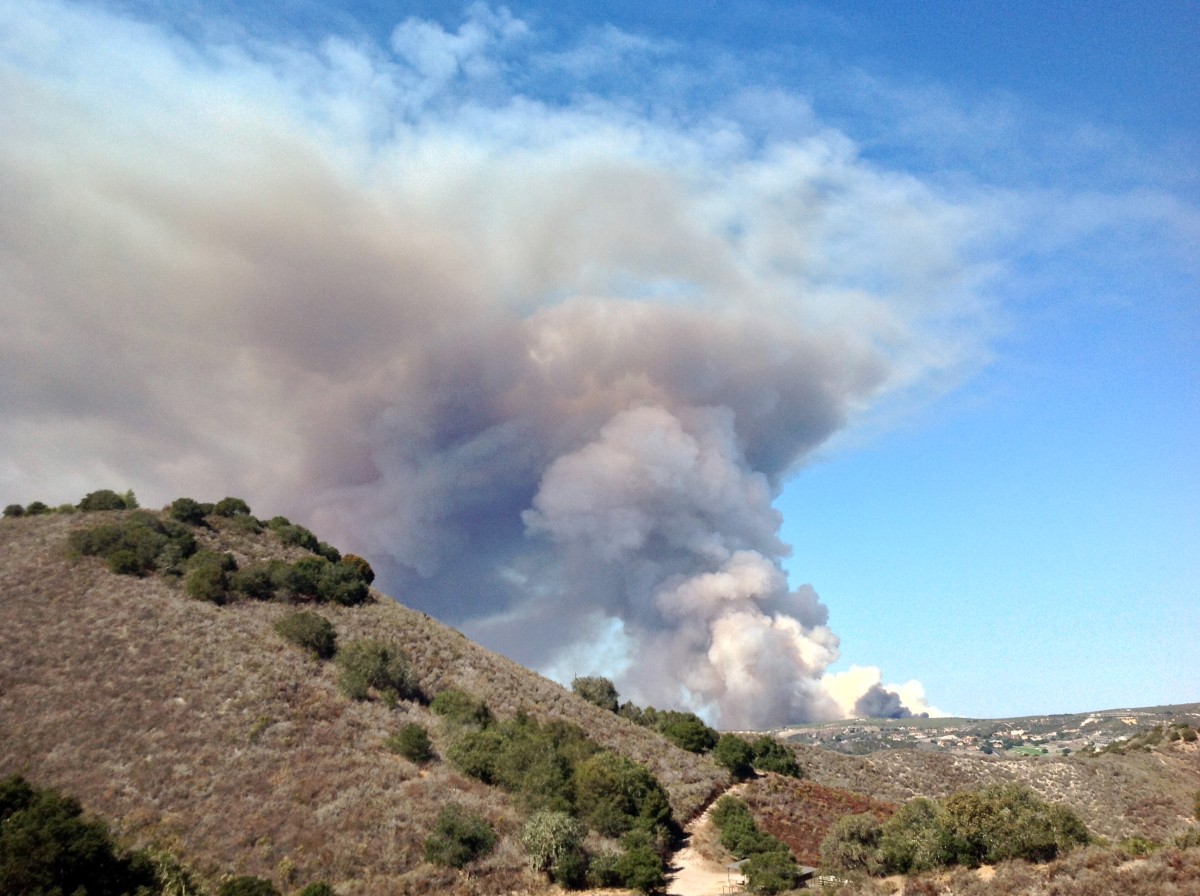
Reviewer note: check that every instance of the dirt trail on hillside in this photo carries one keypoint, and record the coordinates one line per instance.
(694, 875)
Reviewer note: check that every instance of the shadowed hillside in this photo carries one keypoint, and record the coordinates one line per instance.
(196, 728)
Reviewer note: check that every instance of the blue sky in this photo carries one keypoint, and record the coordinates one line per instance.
(958, 245)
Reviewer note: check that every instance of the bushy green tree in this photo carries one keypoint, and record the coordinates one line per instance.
(231, 507)
(37, 508)
(48, 848)
(459, 837)
(412, 742)
(364, 568)
(185, 510)
(734, 754)
(613, 794)
(105, 499)
(598, 690)
(254, 581)
(688, 732)
(639, 866)
(14, 510)
(379, 665)
(311, 631)
(772, 756)
(207, 576)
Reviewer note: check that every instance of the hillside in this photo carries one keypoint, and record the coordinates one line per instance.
(197, 729)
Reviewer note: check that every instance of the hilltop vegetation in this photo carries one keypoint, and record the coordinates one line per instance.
(174, 670)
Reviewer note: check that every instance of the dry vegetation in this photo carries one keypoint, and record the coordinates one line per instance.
(196, 728)
(1141, 794)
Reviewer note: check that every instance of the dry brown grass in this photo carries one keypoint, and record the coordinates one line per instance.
(196, 728)
(1136, 795)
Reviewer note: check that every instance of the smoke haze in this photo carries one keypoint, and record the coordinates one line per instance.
(547, 363)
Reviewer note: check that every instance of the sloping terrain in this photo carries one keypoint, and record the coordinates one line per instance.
(196, 728)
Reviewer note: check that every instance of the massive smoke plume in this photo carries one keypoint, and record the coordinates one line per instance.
(547, 364)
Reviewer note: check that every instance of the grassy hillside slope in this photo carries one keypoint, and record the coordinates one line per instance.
(196, 728)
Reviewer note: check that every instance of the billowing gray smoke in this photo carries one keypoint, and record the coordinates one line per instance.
(546, 364)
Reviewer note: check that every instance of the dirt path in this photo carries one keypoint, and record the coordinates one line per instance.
(694, 875)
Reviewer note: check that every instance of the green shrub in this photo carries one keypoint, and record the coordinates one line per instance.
(458, 838)
(37, 508)
(291, 534)
(688, 732)
(14, 510)
(771, 872)
(311, 631)
(364, 568)
(457, 706)
(329, 552)
(247, 886)
(598, 690)
(317, 889)
(548, 836)
(378, 665)
(613, 793)
(772, 756)
(231, 507)
(341, 583)
(255, 581)
(207, 576)
(106, 499)
(852, 844)
(640, 867)
(412, 742)
(734, 754)
(146, 542)
(187, 511)
(47, 847)
(474, 753)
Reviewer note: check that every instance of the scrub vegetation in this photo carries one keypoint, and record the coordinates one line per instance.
(205, 702)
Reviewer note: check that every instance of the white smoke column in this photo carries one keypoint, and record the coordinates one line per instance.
(546, 361)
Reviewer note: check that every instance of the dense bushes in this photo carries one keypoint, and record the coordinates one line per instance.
(567, 783)
(765, 754)
(458, 838)
(770, 866)
(684, 729)
(992, 825)
(48, 848)
(137, 545)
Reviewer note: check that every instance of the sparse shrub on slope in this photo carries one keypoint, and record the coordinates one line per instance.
(48, 848)
(412, 742)
(598, 690)
(311, 631)
(14, 510)
(460, 708)
(377, 665)
(459, 837)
